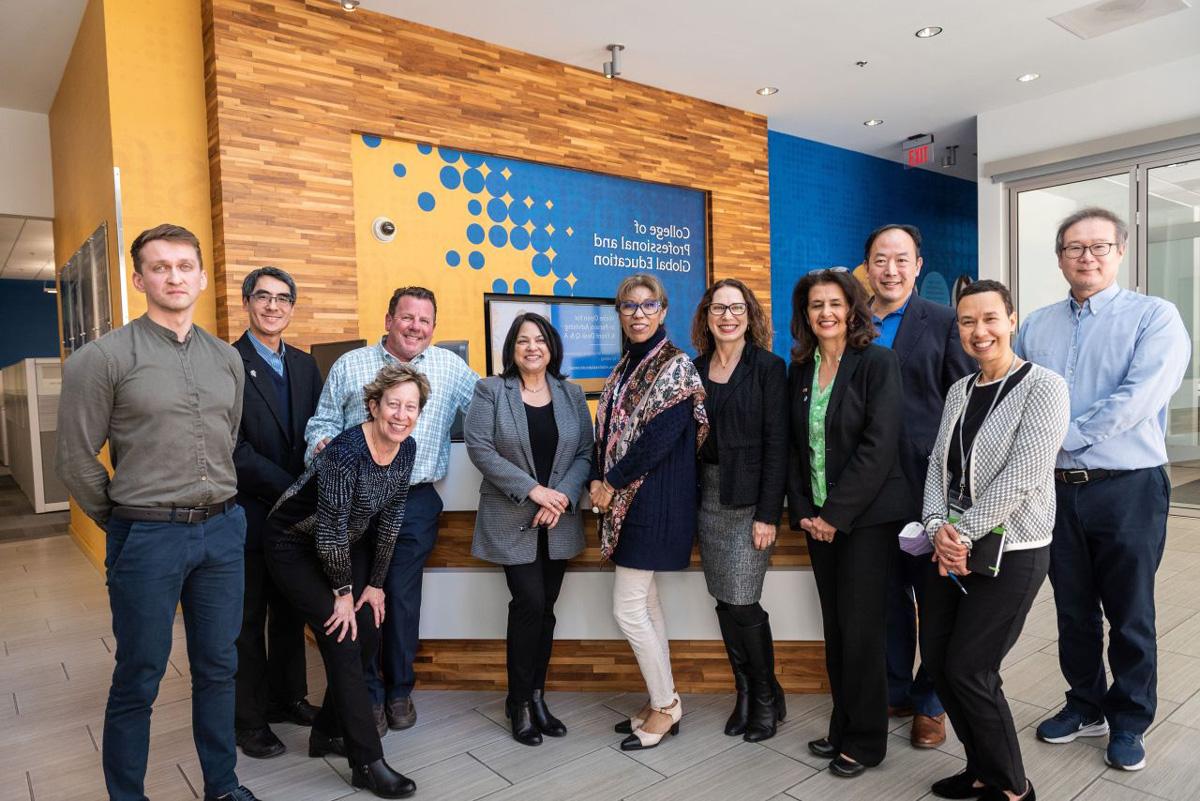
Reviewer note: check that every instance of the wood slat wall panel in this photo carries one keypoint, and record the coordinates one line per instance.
(289, 81)
(453, 547)
(699, 666)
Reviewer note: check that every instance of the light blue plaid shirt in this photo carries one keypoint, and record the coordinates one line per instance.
(451, 382)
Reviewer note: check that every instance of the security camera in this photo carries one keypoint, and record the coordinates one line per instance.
(383, 229)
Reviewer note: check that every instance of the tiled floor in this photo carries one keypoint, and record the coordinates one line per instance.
(57, 659)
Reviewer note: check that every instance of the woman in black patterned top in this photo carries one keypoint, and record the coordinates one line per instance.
(333, 576)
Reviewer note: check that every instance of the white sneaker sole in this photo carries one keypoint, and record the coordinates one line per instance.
(1095, 730)
(1138, 766)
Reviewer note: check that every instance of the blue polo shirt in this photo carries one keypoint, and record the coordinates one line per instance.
(889, 325)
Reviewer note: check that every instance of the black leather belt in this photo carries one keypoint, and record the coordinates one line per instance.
(172, 514)
(1085, 476)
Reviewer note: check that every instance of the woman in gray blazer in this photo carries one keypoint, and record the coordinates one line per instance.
(529, 432)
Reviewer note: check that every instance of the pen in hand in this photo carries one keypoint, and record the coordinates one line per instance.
(957, 583)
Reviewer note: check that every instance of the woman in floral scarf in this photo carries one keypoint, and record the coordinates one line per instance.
(649, 423)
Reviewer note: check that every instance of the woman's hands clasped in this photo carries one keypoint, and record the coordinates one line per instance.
(818, 528)
(948, 552)
(343, 620)
(602, 496)
(552, 505)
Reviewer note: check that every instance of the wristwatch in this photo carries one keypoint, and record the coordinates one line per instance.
(342, 592)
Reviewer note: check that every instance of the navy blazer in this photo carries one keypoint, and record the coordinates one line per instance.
(269, 455)
(931, 360)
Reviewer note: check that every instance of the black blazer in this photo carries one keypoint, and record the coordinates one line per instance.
(864, 480)
(931, 360)
(268, 457)
(752, 432)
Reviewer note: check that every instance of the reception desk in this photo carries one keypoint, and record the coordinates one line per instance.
(465, 605)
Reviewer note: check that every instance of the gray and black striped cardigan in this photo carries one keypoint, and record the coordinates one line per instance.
(1012, 462)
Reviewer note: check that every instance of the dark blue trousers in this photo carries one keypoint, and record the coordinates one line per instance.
(401, 625)
(906, 595)
(151, 568)
(1108, 541)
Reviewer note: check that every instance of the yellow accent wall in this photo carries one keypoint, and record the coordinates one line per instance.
(132, 96)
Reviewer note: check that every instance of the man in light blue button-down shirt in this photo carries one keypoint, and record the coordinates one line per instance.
(410, 320)
(1123, 356)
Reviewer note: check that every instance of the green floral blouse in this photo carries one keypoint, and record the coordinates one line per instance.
(816, 431)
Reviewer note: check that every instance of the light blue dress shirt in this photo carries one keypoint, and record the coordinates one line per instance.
(451, 383)
(274, 360)
(1123, 355)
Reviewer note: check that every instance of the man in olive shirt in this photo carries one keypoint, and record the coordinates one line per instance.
(167, 397)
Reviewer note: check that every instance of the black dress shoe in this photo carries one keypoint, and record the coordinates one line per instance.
(301, 712)
(320, 744)
(524, 730)
(259, 743)
(547, 724)
(993, 794)
(846, 768)
(960, 785)
(240, 794)
(822, 748)
(380, 779)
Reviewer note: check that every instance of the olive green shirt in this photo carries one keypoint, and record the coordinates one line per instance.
(816, 432)
(169, 411)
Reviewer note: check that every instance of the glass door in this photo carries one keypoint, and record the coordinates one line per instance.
(1170, 238)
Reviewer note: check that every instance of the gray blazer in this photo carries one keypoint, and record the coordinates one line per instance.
(497, 436)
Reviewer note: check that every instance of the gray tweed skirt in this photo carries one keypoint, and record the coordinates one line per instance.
(733, 569)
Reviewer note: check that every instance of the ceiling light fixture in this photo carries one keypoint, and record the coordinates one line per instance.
(928, 32)
(872, 123)
(612, 68)
(1029, 76)
(349, 5)
(860, 63)
(767, 91)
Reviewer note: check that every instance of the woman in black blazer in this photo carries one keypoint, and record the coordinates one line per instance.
(743, 472)
(847, 493)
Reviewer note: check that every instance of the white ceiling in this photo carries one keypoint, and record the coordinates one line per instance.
(722, 51)
(35, 40)
(26, 249)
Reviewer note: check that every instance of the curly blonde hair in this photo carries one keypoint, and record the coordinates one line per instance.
(390, 376)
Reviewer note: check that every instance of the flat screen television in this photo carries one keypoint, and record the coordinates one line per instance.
(589, 329)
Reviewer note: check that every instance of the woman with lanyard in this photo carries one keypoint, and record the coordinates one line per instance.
(649, 423)
(989, 512)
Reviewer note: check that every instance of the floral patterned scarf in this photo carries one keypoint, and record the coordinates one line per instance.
(665, 377)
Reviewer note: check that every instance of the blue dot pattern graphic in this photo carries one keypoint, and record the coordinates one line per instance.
(562, 288)
(425, 149)
(540, 240)
(474, 206)
(425, 201)
(498, 236)
(519, 238)
(521, 287)
(449, 177)
(472, 159)
(452, 258)
(541, 264)
(399, 170)
(518, 212)
(449, 156)
(497, 210)
(473, 181)
(475, 260)
(500, 285)
(497, 184)
(371, 141)
(475, 234)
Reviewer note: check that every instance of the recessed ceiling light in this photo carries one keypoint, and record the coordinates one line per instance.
(872, 123)
(1029, 76)
(349, 5)
(928, 32)
(767, 91)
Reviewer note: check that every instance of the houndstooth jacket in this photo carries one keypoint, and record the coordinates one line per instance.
(1012, 462)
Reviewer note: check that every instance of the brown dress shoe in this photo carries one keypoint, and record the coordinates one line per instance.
(928, 732)
(401, 714)
(900, 711)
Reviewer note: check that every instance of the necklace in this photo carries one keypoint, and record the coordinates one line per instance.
(542, 388)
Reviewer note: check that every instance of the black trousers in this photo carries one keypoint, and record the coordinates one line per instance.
(534, 589)
(852, 579)
(270, 649)
(964, 638)
(347, 709)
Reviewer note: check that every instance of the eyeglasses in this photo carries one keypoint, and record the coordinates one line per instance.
(1096, 249)
(829, 270)
(719, 309)
(265, 298)
(649, 307)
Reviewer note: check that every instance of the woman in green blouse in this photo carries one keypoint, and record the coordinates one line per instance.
(846, 492)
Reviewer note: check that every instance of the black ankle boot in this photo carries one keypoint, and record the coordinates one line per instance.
(546, 723)
(320, 744)
(764, 714)
(380, 779)
(731, 634)
(524, 730)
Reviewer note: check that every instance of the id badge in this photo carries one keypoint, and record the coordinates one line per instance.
(957, 502)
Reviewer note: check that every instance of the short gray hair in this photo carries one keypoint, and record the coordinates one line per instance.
(270, 272)
(1089, 213)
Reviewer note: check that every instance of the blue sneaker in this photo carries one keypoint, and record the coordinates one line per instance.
(1126, 751)
(1069, 724)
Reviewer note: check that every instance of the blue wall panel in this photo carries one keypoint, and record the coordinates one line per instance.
(28, 321)
(825, 200)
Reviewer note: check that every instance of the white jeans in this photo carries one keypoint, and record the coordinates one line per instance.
(639, 615)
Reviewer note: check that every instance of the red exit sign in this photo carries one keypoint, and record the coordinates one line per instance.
(917, 149)
(918, 156)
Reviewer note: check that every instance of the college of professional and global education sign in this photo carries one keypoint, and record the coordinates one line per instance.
(487, 224)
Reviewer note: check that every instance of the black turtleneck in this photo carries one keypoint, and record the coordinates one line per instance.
(637, 351)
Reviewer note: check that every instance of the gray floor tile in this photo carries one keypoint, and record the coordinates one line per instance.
(1184, 638)
(1060, 771)
(604, 775)
(1171, 752)
(1104, 790)
(459, 778)
(590, 731)
(809, 722)
(419, 746)
(747, 772)
(435, 705)
(701, 737)
(1036, 680)
(904, 775)
(565, 706)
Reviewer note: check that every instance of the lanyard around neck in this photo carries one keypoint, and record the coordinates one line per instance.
(965, 453)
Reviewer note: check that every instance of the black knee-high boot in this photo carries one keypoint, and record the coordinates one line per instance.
(731, 633)
(767, 705)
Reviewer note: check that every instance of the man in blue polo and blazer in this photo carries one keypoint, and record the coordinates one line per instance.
(924, 335)
(282, 387)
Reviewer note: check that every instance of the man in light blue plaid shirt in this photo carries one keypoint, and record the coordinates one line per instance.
(411, 317)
